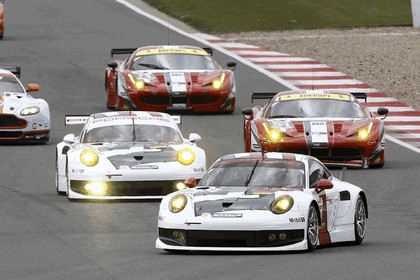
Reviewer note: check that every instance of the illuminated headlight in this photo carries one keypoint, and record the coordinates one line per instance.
(218, 83)
(186, 156)
(138, 83)
(177, 203)
(180, 186)
(275, 135)
(32, 110)
(364, 133)
(282, 204)
(96, 188)
(89, 157)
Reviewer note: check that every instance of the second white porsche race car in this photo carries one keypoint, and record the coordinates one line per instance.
(127, 155)
(263, 202)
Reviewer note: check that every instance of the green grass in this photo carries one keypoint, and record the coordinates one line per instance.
(221, 16)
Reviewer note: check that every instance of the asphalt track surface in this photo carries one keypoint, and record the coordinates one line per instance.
(65, 46)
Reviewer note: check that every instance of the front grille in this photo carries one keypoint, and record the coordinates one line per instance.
(11, 134)
(203, 99)
(11, 121)
(133, 188)
(221, 238)
(156, 100)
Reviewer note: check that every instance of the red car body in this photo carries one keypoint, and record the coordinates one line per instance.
(332, 126)
(166, 78)
(1, 19)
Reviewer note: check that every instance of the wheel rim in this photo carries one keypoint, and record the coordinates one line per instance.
(360, 218)
(313, 226)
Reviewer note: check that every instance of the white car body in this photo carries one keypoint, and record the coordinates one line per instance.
(23, 118)
(238, 218)
(133, 169)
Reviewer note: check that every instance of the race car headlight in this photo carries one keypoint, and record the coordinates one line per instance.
(275, 135)
(96, 188)
(218, 83)
(138, 83)
(32, 110)
(186, 156)
(177, 203)
(282, 204)
(89, 157)
(364, 133)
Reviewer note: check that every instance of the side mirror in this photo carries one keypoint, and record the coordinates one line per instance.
(323, 184)
(194, 137)
(382, 111)
(190, 183)
(113, 65)
(69, 138)
(32, 87)
(231, 64)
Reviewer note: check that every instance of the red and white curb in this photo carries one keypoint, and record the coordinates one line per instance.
(402, 124)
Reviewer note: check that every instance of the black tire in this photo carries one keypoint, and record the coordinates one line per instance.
(360, 218)
(312, 235)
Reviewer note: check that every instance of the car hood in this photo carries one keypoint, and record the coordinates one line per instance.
(193, 77)
(132, 155)
(338, 127)
(13, 103)
(222, 199)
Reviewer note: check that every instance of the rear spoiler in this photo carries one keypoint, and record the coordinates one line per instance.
(262, 95)
(75, 119)
(122, 51)
(360, 95)
(15, 70)
(81, 119)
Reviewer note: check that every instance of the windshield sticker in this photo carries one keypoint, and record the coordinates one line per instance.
(315, 96)
(171, 51)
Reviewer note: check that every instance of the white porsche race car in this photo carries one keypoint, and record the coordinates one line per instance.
(263, 202)
(22, 117)
(127, 155)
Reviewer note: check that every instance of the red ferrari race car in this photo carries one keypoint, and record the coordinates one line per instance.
(332, 126)
(1, 19)
(168, 78)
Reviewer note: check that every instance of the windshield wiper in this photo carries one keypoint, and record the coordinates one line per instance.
(248, 178)
(153, 66)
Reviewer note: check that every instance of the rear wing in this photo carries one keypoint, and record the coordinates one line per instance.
(15, 70)
(262, 95)
(122, 51)
(208, 50)
(360, 95)
(74, 119)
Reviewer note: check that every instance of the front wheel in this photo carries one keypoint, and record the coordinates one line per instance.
(313, 228)
(360, 221)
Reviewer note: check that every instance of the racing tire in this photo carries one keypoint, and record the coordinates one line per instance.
(360, 221)
(56, 178)
(312, 236)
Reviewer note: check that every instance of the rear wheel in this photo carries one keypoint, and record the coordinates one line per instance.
(313, 228)
(360, 221)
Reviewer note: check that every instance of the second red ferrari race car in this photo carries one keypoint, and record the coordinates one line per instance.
(332, 126)
(170, 78)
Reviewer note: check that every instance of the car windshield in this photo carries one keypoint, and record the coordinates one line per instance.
(174, 62)
(256, 173)
(10, 84)
(316, 108)
(130, 133)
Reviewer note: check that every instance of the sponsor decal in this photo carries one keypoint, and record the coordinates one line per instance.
(297, 220)
(319, 134)
(80, 171)
(227, 215)
(179, 106)
(142, 166)
(198, 169)
(314, 96)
